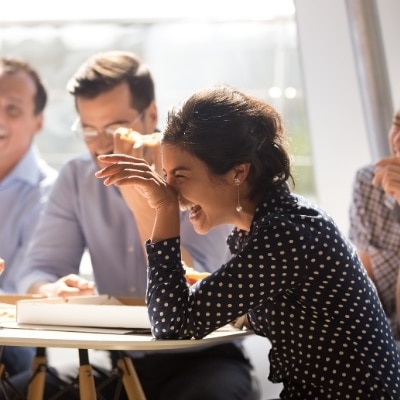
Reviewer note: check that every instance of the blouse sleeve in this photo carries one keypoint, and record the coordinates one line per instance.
(265, 265)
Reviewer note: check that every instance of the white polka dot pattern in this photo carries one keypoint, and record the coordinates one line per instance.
(302, 286)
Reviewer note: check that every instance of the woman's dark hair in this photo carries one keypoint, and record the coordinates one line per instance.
(104, 71)
(224, 127)
(12, 65)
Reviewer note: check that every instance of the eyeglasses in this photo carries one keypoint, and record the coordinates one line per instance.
(90, 134)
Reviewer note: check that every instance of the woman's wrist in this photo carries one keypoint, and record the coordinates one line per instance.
(166, 223)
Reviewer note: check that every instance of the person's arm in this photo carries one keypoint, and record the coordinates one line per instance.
(57, 244)
(387, 176)
(17, 241)
(362, 217)
(237, 286)
(21, 206)
(136, 174)
(374, 233)
(196, 250)
(366, 261)
(144, 214)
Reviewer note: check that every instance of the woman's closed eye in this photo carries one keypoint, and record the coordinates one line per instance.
(179, 176)
(174, 176)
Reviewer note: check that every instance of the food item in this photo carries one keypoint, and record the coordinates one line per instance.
(192, 276)
(8, 312)
(139, 140)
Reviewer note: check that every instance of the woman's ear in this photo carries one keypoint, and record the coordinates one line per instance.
(241, 171)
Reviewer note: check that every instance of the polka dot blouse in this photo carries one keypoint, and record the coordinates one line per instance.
(302, 286)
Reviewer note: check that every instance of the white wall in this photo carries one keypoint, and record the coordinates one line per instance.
(389, 12)
(338, 133)
(337, 130)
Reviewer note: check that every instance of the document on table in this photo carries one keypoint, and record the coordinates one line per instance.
(117, 331)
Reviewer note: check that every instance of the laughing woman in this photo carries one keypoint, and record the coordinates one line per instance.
(293, 277)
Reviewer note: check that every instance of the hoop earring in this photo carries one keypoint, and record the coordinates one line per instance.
(239, 208)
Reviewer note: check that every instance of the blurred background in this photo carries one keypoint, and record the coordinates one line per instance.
(187, 47)
(329, 67)
(316, 62)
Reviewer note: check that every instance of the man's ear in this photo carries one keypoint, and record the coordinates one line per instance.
(151, 117)
(38, 124)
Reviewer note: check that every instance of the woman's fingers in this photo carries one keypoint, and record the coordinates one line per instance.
(121, 173)
(120, 164)
(114, 158)
(126, 170)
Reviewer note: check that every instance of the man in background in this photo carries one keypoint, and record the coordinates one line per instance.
(114, 90)
(25, 179)
(375, 222)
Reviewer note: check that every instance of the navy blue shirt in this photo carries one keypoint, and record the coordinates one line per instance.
(303, 287)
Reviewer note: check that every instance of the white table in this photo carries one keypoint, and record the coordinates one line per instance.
(43, 338)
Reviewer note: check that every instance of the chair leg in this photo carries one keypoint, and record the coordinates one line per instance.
(38, 381)
(130, 379)
(87, 388)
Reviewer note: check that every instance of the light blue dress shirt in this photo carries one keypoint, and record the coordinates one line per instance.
(83, 213)
(23, 193)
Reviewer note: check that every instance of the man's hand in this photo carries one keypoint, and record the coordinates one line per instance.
(69, 285)
(137, 203)
(144, 146)
(387, 175)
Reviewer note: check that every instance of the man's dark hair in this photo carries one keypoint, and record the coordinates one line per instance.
(104, 71)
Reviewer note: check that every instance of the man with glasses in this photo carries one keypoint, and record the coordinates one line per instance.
(113, 90)
(90, 134)
(25, 179)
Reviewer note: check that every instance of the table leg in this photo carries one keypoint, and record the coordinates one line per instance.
(87, 388)
(39, 367)
(130, 379)
(3, 377)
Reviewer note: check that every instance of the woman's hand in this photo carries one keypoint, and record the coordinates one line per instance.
(124, 171)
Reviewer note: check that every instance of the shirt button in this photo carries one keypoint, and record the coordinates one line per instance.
(130, 249)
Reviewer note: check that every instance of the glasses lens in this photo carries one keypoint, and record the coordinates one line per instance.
(88, 133)
(111, 129)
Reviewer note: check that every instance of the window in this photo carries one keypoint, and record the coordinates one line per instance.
(256, 54)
